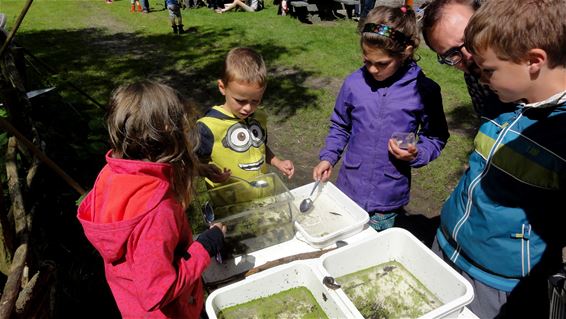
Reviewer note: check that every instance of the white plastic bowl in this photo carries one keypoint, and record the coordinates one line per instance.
(334, 215)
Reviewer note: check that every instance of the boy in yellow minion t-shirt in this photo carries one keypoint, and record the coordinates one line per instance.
(233, 135)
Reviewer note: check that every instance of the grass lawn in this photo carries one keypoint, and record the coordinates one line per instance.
(98, 46)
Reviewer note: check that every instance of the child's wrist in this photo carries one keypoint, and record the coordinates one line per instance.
(275, 161)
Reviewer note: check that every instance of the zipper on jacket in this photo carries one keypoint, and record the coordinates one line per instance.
(524, 236)
(504, 128)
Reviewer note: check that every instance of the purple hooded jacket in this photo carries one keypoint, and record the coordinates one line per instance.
(366, 113)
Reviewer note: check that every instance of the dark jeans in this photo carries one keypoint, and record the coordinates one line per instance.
(366, 8)
(145, 5)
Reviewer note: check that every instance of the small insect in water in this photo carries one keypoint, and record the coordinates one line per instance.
(324, 297)
(335, 213)
(388, 268)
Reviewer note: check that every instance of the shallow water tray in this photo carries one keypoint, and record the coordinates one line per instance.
(274, 281)
(334, 215)
(397, 249)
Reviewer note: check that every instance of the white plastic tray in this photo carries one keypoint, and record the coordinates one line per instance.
(396, 244)
(334, 215)
(272, 281)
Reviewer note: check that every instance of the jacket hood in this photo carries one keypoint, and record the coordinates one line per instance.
(406, 73)
(124, 193)
(556, 99)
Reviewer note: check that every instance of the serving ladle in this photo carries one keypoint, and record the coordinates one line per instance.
(306, 203)
(257, 184)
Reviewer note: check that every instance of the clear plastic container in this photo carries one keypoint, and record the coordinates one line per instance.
(255, 217)
(404, 139)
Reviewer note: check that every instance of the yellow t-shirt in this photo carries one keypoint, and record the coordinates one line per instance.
(234, 144)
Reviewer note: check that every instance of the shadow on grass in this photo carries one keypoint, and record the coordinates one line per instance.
(463, 120)
(190, 63)
(97, 63)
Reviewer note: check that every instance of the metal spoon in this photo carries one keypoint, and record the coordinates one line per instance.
(306, 203)
(257, 184)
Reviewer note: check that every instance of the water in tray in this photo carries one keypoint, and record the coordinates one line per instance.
(326, 217)
(388, 290)
(296, 302)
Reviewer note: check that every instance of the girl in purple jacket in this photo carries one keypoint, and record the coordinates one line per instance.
(389, 94)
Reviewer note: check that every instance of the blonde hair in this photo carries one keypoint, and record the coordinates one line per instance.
(401, 19)
(151, 121)
(244, 65)
(512, 28)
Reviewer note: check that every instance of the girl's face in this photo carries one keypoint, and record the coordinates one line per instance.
(380, 64)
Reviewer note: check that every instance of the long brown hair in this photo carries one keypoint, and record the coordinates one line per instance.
(401, 19)
(151, 121)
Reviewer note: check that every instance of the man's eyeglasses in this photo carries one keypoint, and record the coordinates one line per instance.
(452, 56)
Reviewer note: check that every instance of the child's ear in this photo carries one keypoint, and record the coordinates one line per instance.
(536, 58)
(221, 87)
(408, 51)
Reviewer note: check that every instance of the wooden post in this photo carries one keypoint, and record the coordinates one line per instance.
(12, 287)
(12, 130)
(6, 238)
(18, 209)
(12, 33)
(32, 301)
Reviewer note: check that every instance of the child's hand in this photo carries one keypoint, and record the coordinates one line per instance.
(221, 226)
(212, 239)
(286, 167)
(214, 173)
(401, 154)
(322, 171)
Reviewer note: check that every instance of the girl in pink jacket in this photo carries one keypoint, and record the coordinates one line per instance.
(134, 215)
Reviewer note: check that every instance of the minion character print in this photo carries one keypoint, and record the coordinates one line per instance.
(232, 143)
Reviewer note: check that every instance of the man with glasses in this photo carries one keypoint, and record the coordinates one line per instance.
(443, 27)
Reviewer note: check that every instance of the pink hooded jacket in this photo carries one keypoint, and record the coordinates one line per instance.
(132, 219)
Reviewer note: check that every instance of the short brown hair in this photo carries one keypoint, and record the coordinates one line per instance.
(151, 121)
(434, 11)
(245, 65)
(512, 28)
(402, 19)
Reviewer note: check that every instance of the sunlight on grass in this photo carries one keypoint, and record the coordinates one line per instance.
(98, 46)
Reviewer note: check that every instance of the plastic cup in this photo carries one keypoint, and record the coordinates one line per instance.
(404, 139)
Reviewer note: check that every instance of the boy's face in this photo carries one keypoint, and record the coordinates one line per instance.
(509, 80)
(242, 99)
